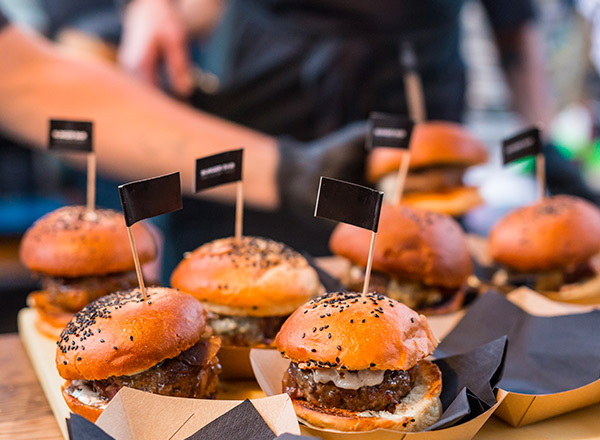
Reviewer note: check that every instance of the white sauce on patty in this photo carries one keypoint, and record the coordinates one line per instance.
(349, 380)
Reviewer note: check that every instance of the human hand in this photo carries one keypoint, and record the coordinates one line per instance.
(154, 32)
(340, 155)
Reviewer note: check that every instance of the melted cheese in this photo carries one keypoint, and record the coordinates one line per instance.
(349, 380)
(82, 392)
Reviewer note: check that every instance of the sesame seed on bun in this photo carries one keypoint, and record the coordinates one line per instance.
(253, 277)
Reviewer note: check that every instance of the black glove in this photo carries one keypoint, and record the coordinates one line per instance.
(340, 155)
(563, 176)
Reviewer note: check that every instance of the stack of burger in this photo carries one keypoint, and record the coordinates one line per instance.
(249, 287)
(79, 257)
(440, 153)
(421, 258)
(155, 344)
(358, 363)
(551, 246)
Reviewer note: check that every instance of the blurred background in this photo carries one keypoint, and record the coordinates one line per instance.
(33, 183)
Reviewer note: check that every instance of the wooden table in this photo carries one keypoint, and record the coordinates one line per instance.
(25, 413)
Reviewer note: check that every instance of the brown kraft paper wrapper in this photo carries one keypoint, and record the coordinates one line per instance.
(134, 414)
(468, 397)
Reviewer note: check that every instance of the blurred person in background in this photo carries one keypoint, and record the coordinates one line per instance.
(140, 132)
(306, 68)
(297, 69)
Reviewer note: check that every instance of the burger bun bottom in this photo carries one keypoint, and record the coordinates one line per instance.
(586, 292)
(87, 411)
(419, 409)
(50, 319)
(455, 201)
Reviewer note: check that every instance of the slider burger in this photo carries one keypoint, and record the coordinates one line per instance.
(154, 345)
(79, 256)
(358, 363)
(249, 286)
(440, 153)
(420, 259)
(551, 246)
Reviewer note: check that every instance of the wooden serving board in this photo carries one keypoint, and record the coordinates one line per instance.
(42, 350)
(581, 424)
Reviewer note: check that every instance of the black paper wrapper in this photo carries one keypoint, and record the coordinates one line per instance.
(243, 422)
(469, 382)
(545, 355)
(82, 429)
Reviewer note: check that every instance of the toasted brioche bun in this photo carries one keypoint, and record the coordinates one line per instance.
(256, 277)
(432, 143)
(50, 319)
(88, 411)
(417, 411)
(69, 242)
(453, 201)
(144, 333)
(411, 244)
(554, 233)
(395, 339)
(448, 305)
(585, 292)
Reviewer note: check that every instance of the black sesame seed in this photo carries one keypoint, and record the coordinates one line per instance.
(102, 341)
(114, 347)
(314, 350)
(339, 347)
(363, 320)
(131, 338)
(65, 362)
(372, 364)
(79, 358)
(303, 335)
(412, 320)
(337, 359)
(329, 335)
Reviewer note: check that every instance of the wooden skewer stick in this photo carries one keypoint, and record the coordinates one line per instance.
(540, 173)
(416, 99)
(413, 84)
(91, 182)
(369, 264)
(239, 211)
(401, 178)
(136, 260)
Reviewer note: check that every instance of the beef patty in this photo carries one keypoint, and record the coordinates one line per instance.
(245, 331)
(300, 384)
(194, 373)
